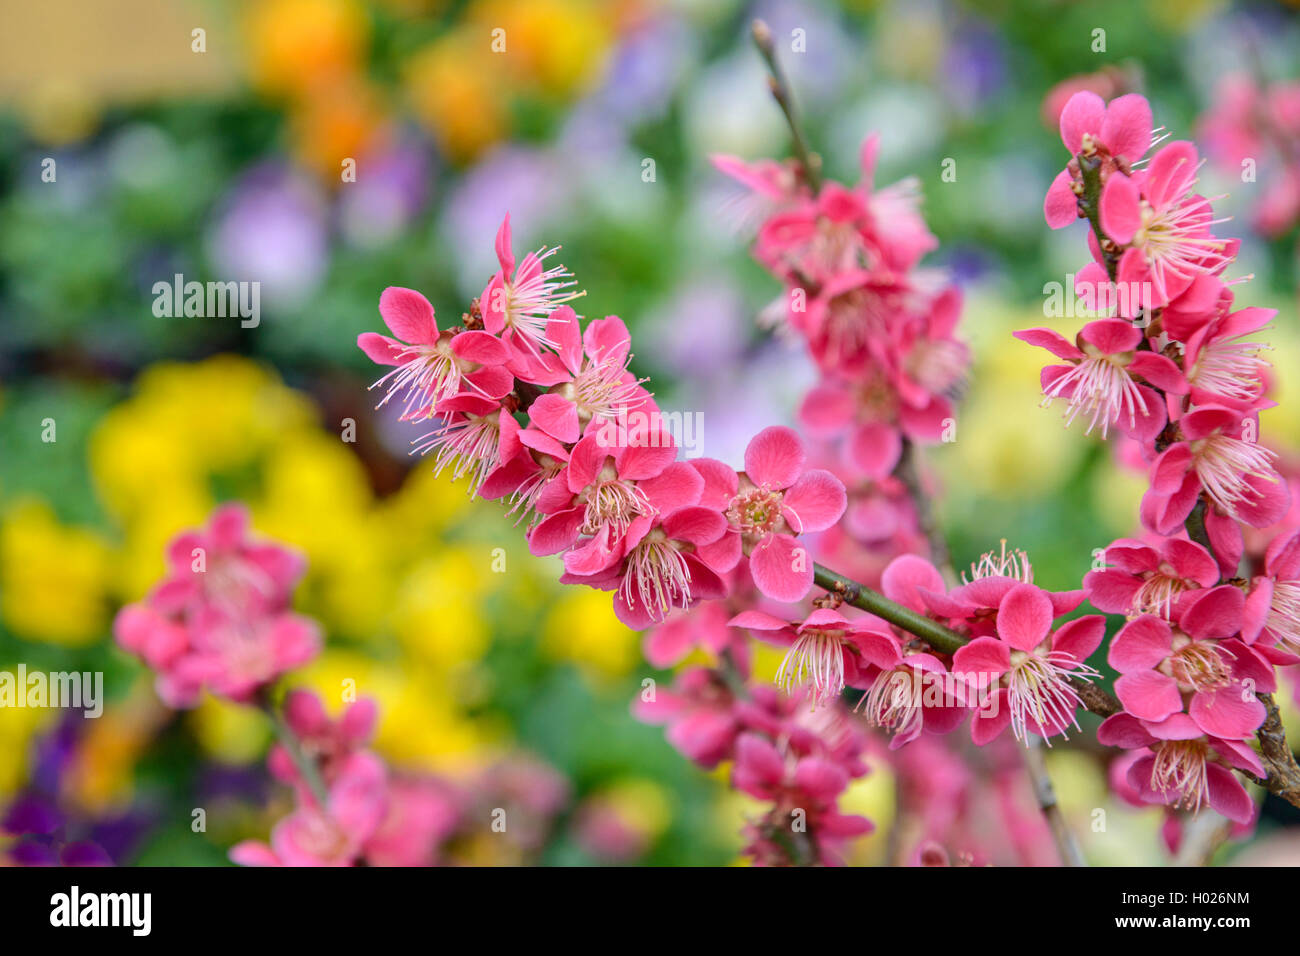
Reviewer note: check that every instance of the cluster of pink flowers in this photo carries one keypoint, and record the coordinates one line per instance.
(881, 330)
(782, 752)
(1252, 131)
(221, 618)
(377, 817)
(1173, 365)
(543, 412)
(220, 622)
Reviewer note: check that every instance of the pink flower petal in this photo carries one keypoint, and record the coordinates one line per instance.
(556, 416)
(1084, 112)
(381, 349)
(409, 315)
(1061, 205)
(1024, 617)
(1120, 208)
(814, 502)
(774, 457)
(1140, 645)
(875, 449)
(1231, 712)
(906, 575)
(1126, 128)
(1051, 340)
(1227, 794)
(781, 568)
(1148, 695)
(1080, 637)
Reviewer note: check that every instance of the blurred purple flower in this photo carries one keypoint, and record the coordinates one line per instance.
(391, 189)
(974, 67)
(272, 229)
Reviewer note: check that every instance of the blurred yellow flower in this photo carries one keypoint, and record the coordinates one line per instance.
(437, 614)
(186, 421)
(316, 497)
(232, 733)
(1281, 425)
(558, 46)
(53, 577)
(1007, 446)
(581, 627)
(642, 805)
(19, 726)
(296, 45)
(421, 510)
(458, 93)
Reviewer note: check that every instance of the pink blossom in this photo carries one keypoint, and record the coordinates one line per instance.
(698, 711)
(220, 619)
(598, 386)
(519, 300)
(775, 500)
(327, 741)
(432, 365)
(1102, 378)
(1179, 766)
(1145, 579)
(1115, 136)
(1212, 457)
(333, 836)
(825, 649)
(1165, 229)
(1195, 663)
(1272, 611)
(1023, 674)
(1222, 369)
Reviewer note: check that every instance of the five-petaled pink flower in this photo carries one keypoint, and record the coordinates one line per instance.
(774, 500)
(1193, 663)
(432, 365)
(1023, 676)
(1103, 375)
(1115, 136)
(1150, 579)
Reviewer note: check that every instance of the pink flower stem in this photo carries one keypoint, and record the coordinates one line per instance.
(293, 747)
(780, 88)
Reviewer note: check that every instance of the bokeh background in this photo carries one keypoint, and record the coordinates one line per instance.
(226, 164)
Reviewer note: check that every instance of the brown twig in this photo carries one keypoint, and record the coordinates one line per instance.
(784, 97)
(1046, 796)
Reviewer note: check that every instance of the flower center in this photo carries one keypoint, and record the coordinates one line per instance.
(1223, 464)
(1003, 564)
(613, 502)
(1284, 614)
(1039, 692)
(1100, 387)
(1200, 665)
(1157, 592)
(756, 511)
